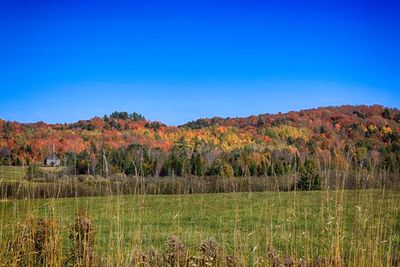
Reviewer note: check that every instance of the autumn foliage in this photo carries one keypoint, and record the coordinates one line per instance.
(341, 137)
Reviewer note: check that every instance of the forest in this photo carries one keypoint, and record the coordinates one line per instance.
(309, 141)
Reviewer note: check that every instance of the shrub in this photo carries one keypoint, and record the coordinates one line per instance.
(82, 236)
(36, 243)
(176, 254)
(33, 171)
(210, 252)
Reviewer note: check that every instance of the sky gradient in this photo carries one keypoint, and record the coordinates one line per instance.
(176, 61)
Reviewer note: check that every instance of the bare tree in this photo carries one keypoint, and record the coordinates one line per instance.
(105, 164)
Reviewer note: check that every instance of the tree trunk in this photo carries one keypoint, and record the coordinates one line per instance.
(105, 164)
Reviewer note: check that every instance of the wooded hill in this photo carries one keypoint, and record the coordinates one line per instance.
(357, 137)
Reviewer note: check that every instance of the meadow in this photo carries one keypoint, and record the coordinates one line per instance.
(11, 173)
(329, 228)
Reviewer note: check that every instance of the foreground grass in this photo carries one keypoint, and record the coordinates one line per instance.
(361, 227)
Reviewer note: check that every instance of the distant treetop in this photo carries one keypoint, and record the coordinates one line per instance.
(123, 115)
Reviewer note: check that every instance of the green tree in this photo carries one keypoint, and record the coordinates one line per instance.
(198, 165)
(82, 163)
(178, 162)
(309, 176)
(221, 168)
(136, 117)
(386, 114)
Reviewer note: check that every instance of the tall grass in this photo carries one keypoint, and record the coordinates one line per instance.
(331, 227)
(119, 184)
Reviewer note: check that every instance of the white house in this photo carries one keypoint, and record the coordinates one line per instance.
(52, 160)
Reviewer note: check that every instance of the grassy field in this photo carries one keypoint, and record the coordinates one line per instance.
(11, 173)
(17, 173)
(361, 227)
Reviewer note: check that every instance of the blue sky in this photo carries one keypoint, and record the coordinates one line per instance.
(175, 61)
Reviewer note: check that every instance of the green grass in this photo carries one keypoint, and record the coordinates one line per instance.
(11, 173)
(16, 173)
(354, 224)
(52, 169)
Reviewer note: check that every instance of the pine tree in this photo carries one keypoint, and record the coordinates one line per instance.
(309, 176)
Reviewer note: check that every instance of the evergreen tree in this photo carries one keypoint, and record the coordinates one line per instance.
(198, 165)
(309, 176)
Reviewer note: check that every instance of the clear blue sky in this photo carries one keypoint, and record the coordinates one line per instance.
(61, 61)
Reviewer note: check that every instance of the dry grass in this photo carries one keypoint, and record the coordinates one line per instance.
(320, 228)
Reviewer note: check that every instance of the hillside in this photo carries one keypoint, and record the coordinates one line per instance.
(345, 136)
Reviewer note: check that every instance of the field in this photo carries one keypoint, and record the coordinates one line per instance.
(11, 173)
(355, 228)
(18, 173)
